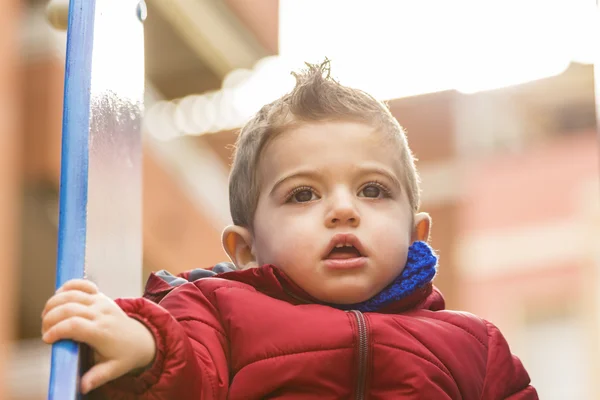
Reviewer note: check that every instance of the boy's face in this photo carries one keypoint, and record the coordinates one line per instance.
(333, 184)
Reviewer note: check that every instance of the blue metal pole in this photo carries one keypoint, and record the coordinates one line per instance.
(64, 376)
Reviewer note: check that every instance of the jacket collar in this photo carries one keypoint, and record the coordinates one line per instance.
(412, 289)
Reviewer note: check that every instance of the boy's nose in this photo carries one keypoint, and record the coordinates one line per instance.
(342, 213)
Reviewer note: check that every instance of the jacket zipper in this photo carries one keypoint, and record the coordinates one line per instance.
(363, 348)
(363, 354)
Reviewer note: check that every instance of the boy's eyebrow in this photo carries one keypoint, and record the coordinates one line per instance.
(381, 171)
(311, 174)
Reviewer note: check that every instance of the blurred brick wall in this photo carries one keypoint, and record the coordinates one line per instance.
(9, 172)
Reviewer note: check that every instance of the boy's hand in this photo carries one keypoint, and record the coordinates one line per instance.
(78, 311)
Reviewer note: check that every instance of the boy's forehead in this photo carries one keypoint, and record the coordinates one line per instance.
(326, 145)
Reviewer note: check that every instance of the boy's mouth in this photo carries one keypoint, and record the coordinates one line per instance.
(343, 252)
(344, 246)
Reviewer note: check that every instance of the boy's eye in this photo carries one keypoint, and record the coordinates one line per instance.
(302, 196)
(373, 191)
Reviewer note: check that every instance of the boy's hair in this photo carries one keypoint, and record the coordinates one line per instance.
(316, 98)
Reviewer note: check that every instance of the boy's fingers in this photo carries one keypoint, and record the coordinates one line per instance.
(70, 296)
(75, 328)
(100, 374)
(65, 311)
(79, 284)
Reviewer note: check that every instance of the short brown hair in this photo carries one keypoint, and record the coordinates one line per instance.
(317, 97)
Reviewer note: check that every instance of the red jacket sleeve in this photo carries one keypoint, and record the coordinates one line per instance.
(505, 378)
(191, 360)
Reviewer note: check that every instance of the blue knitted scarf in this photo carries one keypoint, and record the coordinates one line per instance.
(421, 267)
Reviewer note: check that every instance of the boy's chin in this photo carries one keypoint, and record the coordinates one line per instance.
(345, 296)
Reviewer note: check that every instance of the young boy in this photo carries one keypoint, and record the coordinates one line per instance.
(331, 296)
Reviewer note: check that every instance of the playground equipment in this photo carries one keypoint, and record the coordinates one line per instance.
(100, 190)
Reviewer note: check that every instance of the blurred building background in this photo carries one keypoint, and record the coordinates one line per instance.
(510, 177)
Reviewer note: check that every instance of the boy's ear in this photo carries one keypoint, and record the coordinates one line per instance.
(421, 228)
(237, 242)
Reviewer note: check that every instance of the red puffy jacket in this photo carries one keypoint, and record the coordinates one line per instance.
(254, 334)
